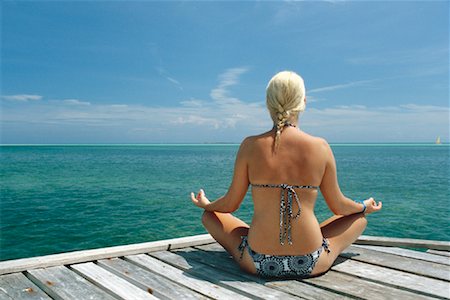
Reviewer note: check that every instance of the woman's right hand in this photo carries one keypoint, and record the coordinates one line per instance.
(372, 206)
(201, 200)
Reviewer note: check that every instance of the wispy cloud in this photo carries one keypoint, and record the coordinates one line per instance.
(165, 74)
(193, 103)
(75, 102)
(226, 118)
(22, 97)
(194, 120)
(230, 77)
(341, 86)
(313, 99)
(173, 80)
(225, 111)
(400, 123)
(213, 122)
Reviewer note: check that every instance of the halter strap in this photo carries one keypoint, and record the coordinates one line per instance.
(286, 213)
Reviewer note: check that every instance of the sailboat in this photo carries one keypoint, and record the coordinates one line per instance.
(438, 140)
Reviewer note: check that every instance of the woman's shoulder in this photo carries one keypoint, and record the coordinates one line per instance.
(252, 144)
(255, 139)
(316, 141)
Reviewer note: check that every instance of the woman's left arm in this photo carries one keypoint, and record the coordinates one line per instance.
(237, 190)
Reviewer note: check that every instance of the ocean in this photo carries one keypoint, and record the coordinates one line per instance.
(59, 198)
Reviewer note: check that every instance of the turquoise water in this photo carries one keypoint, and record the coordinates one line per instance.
(64, 198)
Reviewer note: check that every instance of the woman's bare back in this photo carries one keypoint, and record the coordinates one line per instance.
(298, 161)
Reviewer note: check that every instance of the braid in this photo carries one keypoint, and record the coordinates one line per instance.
(282, 119)
(285, 98)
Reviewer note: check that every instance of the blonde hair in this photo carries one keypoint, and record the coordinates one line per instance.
(285, 98)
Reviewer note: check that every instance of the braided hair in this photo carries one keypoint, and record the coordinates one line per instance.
(285, 98)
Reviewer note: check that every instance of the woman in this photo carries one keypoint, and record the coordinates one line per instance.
(285, 167)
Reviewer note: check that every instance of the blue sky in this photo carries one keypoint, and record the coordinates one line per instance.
(194, 72)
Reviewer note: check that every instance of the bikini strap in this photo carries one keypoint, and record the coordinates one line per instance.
(314, 187)
(242, 246)
(286, 213)
(326, 245)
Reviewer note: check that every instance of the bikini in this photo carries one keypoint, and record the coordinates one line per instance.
(284, 266)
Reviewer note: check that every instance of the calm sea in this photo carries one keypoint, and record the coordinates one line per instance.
(64, 198)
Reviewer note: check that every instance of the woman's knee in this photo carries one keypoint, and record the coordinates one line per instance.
(208, 217)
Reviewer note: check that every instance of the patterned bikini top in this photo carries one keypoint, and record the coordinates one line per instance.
(286, 214)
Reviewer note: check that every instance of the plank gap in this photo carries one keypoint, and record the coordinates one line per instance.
(162, 275)
(41, 285)
(394, 268)
(92, 281)
(337, 292)
(403, 288)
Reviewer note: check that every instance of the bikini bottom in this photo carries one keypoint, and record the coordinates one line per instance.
(283, 266)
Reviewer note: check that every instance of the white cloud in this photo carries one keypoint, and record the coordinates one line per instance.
(164, 73)
(312, 99)
(341, 86)
(193, 103)
(197, 120)
(22, 97)
(220, 120)
(119, 105)
(173, 80)
(76, 102)
(402, 123)
(230, 77)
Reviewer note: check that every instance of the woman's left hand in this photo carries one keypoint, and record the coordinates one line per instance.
(201, 200)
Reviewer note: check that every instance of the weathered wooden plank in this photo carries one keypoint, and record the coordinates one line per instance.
(23, 264)
(182, 259)
(218, 248)
(402, 242)
(217, 257)
(361, 288)
(329, 286)
(162, 287)
(409, 253)
(304, 290)
(392, 261)
(114, 284)
(17, 286)
(61, 283)
(415, 283)
(4, 296)
(180, 277)
(437, 252)
(214, 247)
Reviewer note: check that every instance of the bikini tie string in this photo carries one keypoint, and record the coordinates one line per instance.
(242, 245)
(326, 245)
(286, 214)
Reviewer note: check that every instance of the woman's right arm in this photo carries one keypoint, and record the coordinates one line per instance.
(338, 203)
(231, 201)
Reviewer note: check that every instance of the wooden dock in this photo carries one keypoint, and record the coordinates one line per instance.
(198, 268)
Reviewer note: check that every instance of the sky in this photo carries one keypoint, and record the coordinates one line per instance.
(196, 72)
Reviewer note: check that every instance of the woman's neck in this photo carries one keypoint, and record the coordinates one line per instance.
(288, 124)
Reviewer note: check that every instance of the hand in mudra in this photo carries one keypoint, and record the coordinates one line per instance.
(372, 205)
(201, 200)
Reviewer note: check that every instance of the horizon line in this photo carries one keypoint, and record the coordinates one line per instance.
(208, 143)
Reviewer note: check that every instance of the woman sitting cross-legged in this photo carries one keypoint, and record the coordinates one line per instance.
(285, 168)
